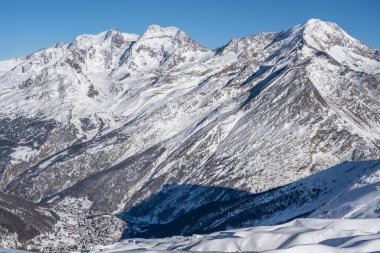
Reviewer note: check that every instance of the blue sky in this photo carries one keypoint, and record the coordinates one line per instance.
(28, 25)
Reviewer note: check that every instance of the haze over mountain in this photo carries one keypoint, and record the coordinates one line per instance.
(156, 128)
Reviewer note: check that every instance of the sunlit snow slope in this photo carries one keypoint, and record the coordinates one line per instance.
(297, 236)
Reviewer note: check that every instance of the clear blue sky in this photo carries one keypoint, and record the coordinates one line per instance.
(28, 25)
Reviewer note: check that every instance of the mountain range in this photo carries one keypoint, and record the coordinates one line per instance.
(121, 135)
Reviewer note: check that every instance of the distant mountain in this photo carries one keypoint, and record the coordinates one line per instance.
(115, 120)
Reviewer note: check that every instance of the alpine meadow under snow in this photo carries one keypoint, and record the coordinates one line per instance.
(118, 136)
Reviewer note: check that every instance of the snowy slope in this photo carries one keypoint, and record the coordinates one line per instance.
(357, 201)
(299, 235)
(146, 116)
(7, 65)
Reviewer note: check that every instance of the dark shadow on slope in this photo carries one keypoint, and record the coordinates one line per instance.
(278, 205)
(257, 74)
(175, 200)
(260, 86)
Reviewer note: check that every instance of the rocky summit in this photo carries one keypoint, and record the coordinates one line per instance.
(117, 135)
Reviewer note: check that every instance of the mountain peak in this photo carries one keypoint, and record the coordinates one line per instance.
(255, 42)
(315, 21)
(111, 32)
(158, 31)
(318, 25)
(323, 35)
(318, 34)
(88, 40)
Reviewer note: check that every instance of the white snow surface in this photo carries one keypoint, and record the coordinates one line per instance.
(7, 65)
(358, 201)
(300, 235)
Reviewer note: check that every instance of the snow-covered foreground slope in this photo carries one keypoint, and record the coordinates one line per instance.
(297, 236)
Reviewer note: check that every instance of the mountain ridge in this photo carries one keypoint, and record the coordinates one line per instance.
(131, 114)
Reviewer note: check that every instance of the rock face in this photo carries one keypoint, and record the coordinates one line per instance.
(113, 118)
(22, 220)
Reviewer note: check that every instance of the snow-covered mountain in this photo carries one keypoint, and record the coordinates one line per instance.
(160, 124)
